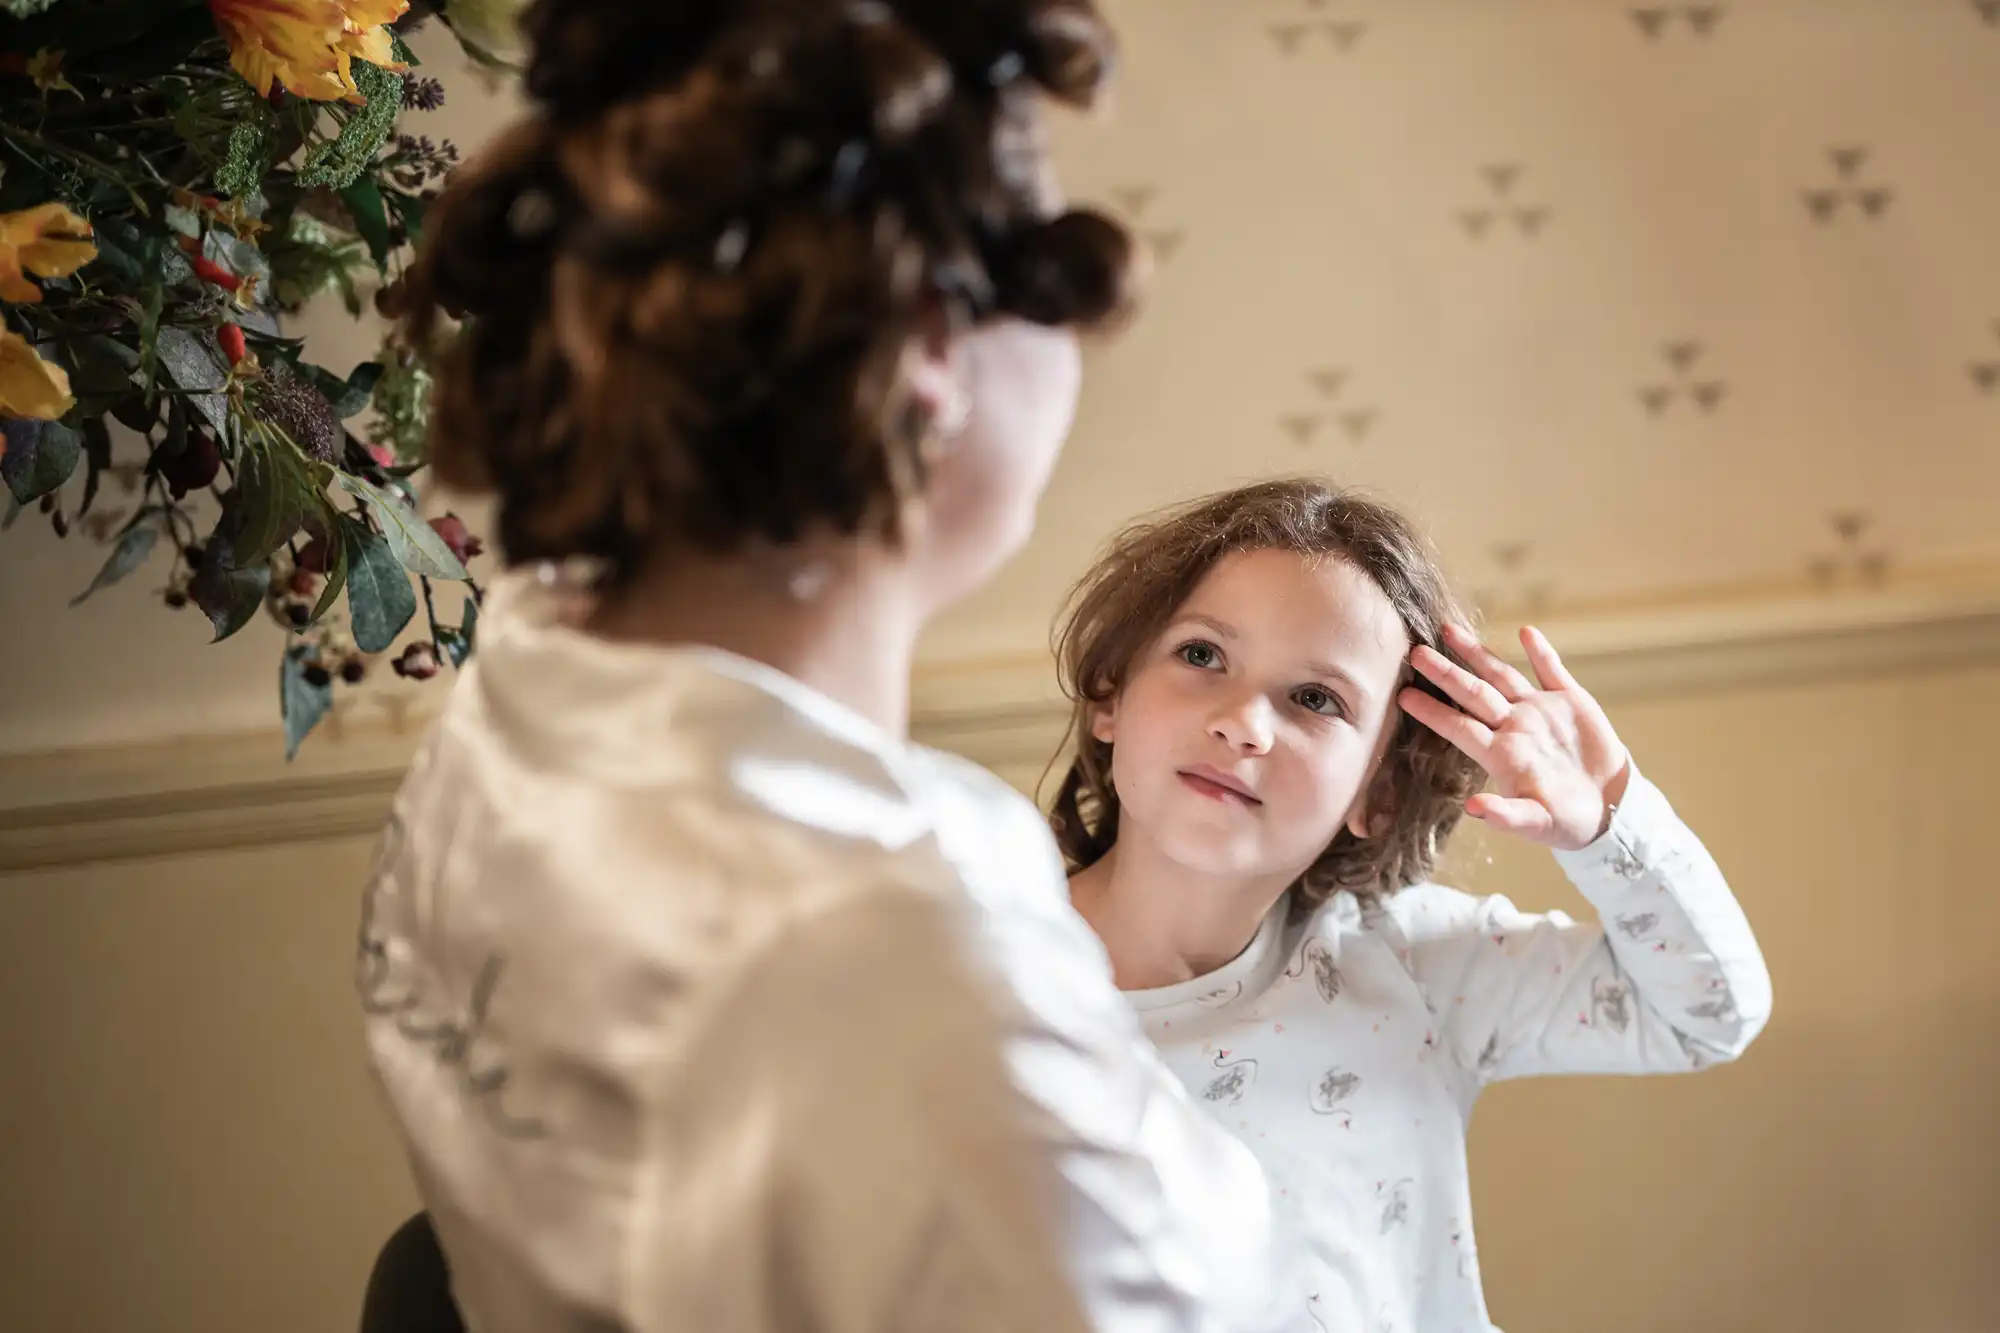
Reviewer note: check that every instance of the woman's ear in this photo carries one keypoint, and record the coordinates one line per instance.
(1104, 722)
(934, 371)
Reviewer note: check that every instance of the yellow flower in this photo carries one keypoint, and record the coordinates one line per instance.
(46, 70)
(307, 46)
(30, 386)
(48, 241)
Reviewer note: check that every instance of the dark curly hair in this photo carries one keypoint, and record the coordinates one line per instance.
(1130, 597)
(687, 279)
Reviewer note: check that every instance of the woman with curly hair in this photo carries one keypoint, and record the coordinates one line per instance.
(704, 1000)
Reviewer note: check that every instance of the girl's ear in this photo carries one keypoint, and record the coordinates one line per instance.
(1367, 817)
(1359, 822)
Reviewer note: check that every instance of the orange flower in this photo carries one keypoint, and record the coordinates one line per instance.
(307, 46)
(30, 386)
(48, 241)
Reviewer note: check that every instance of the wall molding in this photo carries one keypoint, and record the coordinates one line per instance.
(202, 794)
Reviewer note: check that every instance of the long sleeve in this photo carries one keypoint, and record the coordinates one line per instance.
(842, 1151)
(1668, 979)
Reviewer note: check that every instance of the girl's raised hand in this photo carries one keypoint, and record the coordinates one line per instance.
(1556, 766)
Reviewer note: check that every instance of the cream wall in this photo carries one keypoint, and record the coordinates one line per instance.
(187, 1140)
(188, 1143)
(1846, 1174)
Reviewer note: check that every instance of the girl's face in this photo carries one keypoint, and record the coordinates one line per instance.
(1247, 733)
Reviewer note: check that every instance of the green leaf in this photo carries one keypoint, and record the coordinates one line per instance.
(336, 575)
(97, 449)
(360, 389)
(350, 397)
(100, 372)
(135, 413)
(300, 702)
(229, 596)
(131, 552)
(420, 549)
(380, 600)
(412, 210)
(149, 326)
(371, 218)
(268, 496)
(40, 457)
(120, 262)
(195, 364)
(174, 442)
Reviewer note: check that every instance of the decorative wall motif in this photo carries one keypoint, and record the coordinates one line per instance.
(1542, 239)
(1308, 30)
(1337, 407)
(1506, 205)
(1850, 189)
(1134, 202)
(1682, 382)
(1657, 21)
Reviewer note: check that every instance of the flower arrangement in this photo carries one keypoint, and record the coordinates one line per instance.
(176, 176)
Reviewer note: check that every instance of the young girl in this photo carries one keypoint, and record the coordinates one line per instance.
(702, 999)
(1260, 791)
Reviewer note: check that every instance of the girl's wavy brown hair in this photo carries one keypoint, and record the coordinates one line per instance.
(1120, 608)
(687, 278)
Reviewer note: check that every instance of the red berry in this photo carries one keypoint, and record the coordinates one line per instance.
(233, 347)
(210, 271)
(383, 455)
(194, 467)
(452, 530)
(352, 670)
(304, 583)
(418, 662)
(313, 557)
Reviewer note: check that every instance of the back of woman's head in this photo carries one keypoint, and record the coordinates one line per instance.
(688, 279)
(1130, 597)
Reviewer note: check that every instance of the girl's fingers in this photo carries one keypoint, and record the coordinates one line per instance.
(1489, 664)
(1529, 819)
(1471, 736)
(1542, 656)
(1475, 696)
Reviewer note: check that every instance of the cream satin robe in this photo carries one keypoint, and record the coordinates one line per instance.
(705, 1005)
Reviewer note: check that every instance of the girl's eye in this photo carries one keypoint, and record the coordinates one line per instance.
(1316, 700)
(1199, 654)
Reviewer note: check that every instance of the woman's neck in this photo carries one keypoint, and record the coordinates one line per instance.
(1163, 923)
(841, 618)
